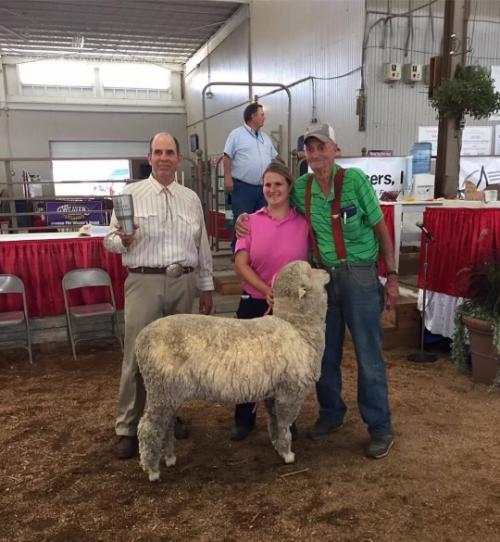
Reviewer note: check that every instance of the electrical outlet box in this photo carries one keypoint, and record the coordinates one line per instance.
(412, 73)
(392, 72)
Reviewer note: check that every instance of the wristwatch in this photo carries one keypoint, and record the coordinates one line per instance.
(392, 272)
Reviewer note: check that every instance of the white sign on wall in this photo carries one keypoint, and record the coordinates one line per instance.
(476, 140)
(386, 174)
(482, 171)
(429, 133)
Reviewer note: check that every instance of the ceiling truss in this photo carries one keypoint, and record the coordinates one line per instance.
(160, 31)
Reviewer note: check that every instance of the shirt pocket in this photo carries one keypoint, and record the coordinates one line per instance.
(190, 227)
(149, 225)
(350, 217)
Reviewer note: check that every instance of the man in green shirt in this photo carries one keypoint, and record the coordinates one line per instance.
(355, 294)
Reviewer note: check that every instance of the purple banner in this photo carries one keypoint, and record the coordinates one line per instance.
(74, 212)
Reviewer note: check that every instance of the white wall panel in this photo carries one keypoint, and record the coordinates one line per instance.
(99, 149)
(31, 132)
(228, 62)
(320, 38)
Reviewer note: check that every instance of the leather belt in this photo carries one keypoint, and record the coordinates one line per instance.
(173, 270)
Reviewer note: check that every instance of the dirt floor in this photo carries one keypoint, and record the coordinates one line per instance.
(60, 482)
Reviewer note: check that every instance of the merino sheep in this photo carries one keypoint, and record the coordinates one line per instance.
(276, 358)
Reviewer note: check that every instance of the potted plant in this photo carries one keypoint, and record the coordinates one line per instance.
(471, 92)
(478, 320)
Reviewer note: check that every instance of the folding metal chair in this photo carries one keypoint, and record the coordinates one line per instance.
(10, 284)
(84, 278)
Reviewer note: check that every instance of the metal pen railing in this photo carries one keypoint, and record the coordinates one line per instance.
(23, 211)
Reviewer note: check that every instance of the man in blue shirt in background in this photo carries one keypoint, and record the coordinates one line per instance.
(247, 153)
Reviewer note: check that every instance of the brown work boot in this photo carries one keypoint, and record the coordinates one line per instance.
(181, 429)
(127, 447)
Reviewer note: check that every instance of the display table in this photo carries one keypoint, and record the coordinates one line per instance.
(41, 260)
(464, 237)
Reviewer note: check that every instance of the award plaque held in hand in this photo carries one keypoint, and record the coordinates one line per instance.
(124, 211)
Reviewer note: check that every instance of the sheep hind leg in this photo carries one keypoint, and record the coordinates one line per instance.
(272, 426)
(286, 411)
(169, 442)
(151, 433)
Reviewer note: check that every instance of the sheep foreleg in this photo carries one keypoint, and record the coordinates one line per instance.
(151, 433)
(286, 411)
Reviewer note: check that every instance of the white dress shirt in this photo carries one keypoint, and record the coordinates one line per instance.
(171, 230)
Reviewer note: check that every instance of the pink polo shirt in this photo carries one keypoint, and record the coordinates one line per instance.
(271, 244)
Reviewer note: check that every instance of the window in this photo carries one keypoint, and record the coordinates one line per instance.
(64, 73)
(140, 76)
(102, 177)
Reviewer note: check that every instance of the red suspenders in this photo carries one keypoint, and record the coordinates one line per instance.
(338, 237)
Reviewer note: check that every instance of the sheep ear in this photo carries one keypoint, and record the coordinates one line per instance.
(302, 292)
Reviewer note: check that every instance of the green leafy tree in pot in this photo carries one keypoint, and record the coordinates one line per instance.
(482, 302)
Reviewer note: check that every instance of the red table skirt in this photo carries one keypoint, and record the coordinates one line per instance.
(463, 238)
(41, 264)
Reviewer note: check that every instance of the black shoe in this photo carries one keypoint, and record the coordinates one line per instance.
(181, 429)
(294, 431)
(380, 445)
(240, 432)
(127, 447)
(323, 428)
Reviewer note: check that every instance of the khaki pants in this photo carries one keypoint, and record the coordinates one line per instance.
(147, 298)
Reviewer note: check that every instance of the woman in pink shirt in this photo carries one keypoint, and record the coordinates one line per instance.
(278, 235)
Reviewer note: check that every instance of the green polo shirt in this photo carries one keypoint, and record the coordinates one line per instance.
(358, 197)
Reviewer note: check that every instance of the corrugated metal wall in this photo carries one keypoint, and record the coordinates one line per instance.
(228, 62)
(395, 110)
(292, 40)
(295, 40)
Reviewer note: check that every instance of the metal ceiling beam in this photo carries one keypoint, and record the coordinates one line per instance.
(163, 29)
(166, 40)
(21, 10)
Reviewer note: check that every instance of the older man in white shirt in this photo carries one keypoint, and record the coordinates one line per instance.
(168, 257)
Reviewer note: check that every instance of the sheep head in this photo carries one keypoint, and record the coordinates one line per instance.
(300, 289)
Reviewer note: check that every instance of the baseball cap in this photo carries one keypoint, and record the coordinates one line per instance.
(323, 132)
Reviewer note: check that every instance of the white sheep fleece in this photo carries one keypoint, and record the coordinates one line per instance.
(274, 358)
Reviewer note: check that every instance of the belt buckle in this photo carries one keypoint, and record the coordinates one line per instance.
(174, 270)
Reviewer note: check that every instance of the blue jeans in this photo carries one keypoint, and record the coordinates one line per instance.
(245, 198)
(355, 298)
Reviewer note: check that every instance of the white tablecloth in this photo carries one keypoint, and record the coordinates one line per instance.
(96, 231)
(439, 313)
